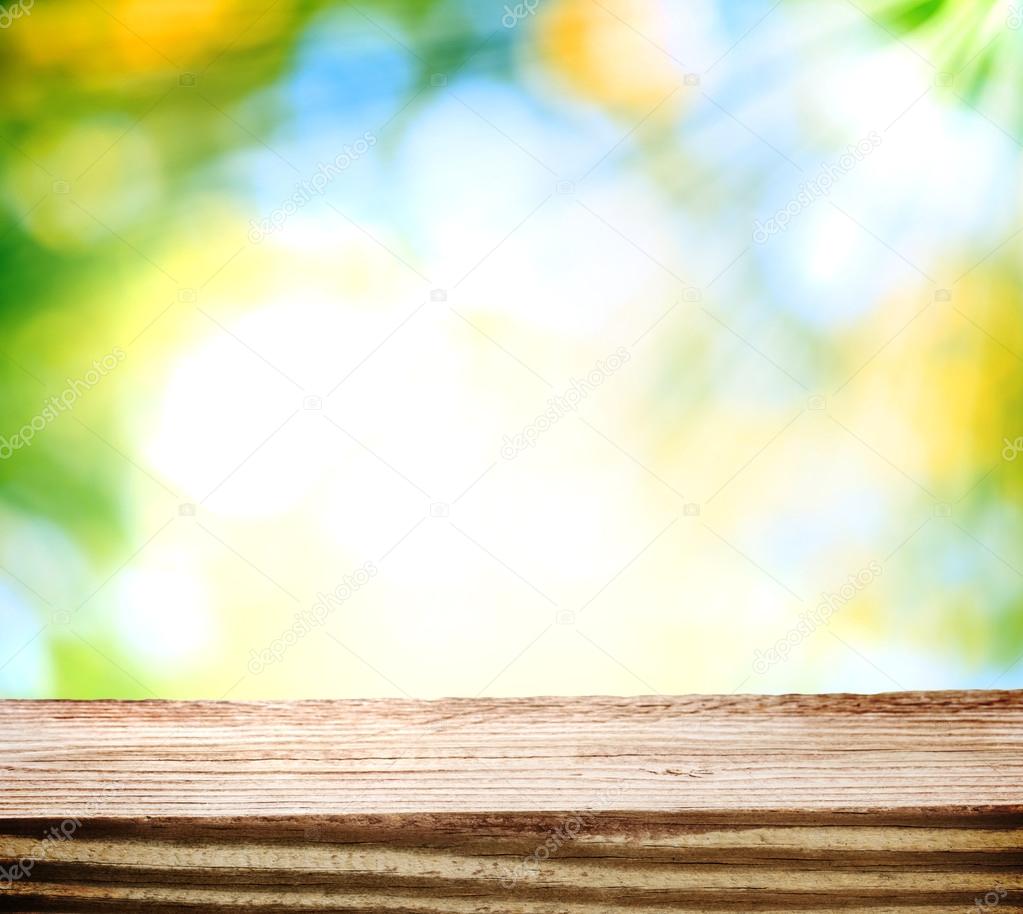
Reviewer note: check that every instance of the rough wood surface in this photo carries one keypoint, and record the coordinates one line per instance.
(902, 802)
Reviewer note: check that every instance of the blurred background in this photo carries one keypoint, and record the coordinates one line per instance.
(556, 346)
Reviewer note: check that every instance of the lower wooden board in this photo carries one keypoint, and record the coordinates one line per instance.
(899, 803)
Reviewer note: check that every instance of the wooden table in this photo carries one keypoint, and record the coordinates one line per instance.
(903, 802)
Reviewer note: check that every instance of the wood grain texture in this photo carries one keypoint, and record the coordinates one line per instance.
(901, 802)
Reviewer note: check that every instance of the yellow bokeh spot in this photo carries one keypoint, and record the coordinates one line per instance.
(141, 36)
(933, 400)
(66, 33)
(155, 30)
(609, 51)
(74, 187)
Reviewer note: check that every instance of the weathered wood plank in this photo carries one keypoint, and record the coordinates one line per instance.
(856, 803)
